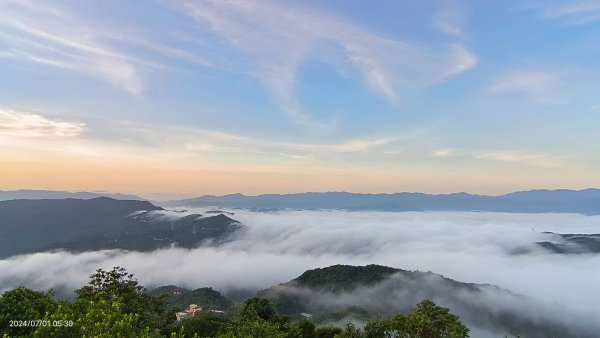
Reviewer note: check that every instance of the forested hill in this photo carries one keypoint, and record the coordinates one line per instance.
(181, 298)
(344, 277)
(341, 292)
(534, 201)
(101, 223)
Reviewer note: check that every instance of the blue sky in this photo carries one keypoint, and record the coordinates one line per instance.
(178, 98)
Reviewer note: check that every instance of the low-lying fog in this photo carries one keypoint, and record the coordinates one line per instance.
(495, 248)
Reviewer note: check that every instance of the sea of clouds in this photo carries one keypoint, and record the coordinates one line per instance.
(274, 247)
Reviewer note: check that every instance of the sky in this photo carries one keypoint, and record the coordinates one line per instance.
(179, 98)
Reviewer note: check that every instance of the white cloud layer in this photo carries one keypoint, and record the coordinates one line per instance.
(276, 247)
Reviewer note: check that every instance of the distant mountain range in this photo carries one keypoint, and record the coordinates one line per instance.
(50, 194)
(535, 201)
(585, 201)
(102, 223)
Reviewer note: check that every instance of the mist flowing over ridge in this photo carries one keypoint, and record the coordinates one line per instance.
(273, 247)
(358, 293)
(102, 223)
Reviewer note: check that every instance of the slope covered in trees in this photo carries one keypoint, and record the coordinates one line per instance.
(176, 297)
(359, 293)
(101, 223)
(113, 304)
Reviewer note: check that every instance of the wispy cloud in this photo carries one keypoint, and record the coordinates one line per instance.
(445, 152)
(574, 12)
(449, 20)
(534, 159)
(208, 141)
(279, 38)
(266, 40)
(539, 85)
(30, 125)
(460, 60)
(34, 32)
(27, 130)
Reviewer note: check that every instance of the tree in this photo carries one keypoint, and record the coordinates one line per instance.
(378, 328)
(428, 320)
(205, 326)
(115, 285)
(350, 331)
(99, 319)
(23, 304)
(305, 329)
(257, 308)
(67, 316)
(106, 320)
(327, 332)
(119, 286)
(258, 329)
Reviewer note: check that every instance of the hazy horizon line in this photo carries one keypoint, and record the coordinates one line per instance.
(199, 195)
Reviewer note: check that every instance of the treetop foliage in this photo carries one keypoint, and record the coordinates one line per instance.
(114, 304)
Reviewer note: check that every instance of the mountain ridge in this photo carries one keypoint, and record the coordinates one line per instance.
(341, 292)
(102, 223)
(32, 194)
(585, 201)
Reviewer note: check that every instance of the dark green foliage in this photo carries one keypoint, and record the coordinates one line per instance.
(352, 312)
(426, 320)
(306, 329)
(118, 286)
(209, 298)
(144, 233)
(285, 302)
(296, 296)
(204, 326)
(24, 304)
(350, 331)
(257, 309)
(328, 332)
(377, 328)
(344, 277)
(113, 304)
(101, 223)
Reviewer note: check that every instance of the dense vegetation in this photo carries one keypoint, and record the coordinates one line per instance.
(176, 297)
(113, 304)
(307, 293)
(102, 223)
(344, 277)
